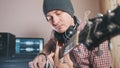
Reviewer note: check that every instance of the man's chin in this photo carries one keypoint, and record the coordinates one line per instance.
(60, 31)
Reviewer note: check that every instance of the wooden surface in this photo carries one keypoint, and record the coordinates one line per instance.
(115, 42)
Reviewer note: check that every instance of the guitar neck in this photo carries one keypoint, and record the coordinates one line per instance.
(69, 45)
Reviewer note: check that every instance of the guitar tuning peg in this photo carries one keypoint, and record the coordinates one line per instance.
(90, 23)
(98, 34)
(98, 20)
(88, 41)
(111, 27)
(99, 15)
(110, 13)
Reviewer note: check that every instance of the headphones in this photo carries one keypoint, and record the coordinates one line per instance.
(64, 37)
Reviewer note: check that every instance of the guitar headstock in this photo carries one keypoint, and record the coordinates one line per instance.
(100, 28)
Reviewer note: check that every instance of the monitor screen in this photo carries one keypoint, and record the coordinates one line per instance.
(29, 46)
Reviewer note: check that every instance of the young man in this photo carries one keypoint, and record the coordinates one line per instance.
(60, 15)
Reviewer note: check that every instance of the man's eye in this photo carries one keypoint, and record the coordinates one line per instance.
(58, 13)
(49, 18)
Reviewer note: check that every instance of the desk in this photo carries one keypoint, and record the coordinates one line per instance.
(15, 63)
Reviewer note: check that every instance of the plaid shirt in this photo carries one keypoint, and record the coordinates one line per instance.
(100, 57)
(84, 57)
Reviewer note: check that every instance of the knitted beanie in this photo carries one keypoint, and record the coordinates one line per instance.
(64, 5)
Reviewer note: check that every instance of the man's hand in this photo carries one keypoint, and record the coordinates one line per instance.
(64, 62)
(38, 62)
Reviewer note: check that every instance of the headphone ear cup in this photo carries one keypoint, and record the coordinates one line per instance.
(70, 32)
(63, 37)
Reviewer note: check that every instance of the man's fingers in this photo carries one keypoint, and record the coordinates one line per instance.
(36, 63)
(31, 64)
(50, 57)
(68, 59)
(42, 60)
(57, 50)
(56, 58)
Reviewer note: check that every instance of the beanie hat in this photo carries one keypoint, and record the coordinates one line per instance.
(64, 5)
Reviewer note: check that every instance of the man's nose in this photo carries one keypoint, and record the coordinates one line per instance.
(55, 20)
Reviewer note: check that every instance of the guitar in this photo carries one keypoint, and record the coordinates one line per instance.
(96, 31)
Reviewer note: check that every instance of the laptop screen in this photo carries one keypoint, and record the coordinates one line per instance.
(29, 46)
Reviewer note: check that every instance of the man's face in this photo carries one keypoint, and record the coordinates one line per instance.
(59, 20)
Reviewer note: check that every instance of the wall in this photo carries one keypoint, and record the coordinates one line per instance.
(25, 18)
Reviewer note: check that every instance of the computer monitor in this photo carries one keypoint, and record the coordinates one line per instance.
(26, 50)
(28, 46)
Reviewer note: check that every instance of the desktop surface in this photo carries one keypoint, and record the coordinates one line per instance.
(15, 62)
